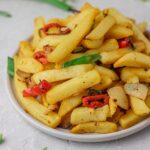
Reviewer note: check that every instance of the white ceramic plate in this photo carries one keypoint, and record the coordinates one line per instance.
(64, 134)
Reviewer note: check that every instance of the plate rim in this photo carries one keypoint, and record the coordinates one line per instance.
(66, 135)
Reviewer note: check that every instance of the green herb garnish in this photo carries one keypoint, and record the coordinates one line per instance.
(5, 14)
(1, 138)
(45, 148)
(10, 66)
(83, 60)
(60, 4)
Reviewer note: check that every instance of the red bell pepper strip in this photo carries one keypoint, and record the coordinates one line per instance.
(37, 89)
(123, 43)
(62, 29)
(41, 57)
(95, 101)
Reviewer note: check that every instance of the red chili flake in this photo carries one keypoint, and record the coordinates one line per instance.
(62, 29)
(95, 101)
(123, 43)
(41, 57)
(37, 89)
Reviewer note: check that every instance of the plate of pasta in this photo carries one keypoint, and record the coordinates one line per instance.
(85, 77)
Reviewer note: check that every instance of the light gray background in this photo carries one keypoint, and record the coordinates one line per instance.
(20, 135)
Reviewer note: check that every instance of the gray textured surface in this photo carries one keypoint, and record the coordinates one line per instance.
(20, 135)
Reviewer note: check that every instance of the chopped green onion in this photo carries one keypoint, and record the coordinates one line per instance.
(10, 66)
(83, 60)
(58, 4)
(1, 138)
(45, 148)
(5, 14)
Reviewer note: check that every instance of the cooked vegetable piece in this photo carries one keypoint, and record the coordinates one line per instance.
(119, 32)
(101, 29)
(73, 86)
(95, 101)
(119, 17)
(112, 106)
(79, 18)
(84, 114)
(106, 72)
(52, 40)
(69, 104)
(41, 57)
(140, 36)
(10, 66)
(58, 29)
(95, 127)
(29, 65)
(37, 90)
(112, 56)
(55, 75)
(86, 59)
(39, 22)
(130, 119)
(25, 49)
(118, 93)
(109, 45)
(133, 59)
(91, 44)
(123, 43)
(143, 74)
(105, 83)
(133, 79)
(139, 46)
(139, 107)
(136, 89)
